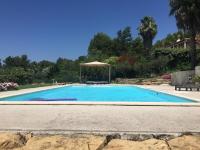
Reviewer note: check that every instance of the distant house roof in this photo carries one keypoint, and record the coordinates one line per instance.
(95, 64)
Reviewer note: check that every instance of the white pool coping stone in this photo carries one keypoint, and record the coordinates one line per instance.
(167, 89)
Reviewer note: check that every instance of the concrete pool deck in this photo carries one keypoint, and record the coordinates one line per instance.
(194, 95)
(25, 91)
(66, 119)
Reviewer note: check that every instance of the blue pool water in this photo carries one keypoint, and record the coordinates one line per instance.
(101, 93)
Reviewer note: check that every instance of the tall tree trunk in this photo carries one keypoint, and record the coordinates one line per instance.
(148, 46)
(193, 52)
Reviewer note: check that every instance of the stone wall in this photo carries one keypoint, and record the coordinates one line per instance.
(182, 77)
(197, 71)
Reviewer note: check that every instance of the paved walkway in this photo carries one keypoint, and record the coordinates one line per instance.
(194, 95)
(129, 119)
(29, 90)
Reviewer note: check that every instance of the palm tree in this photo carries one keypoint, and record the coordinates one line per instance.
(148, 31)
(187, 14)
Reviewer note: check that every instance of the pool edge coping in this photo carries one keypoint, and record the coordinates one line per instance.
(103, 103)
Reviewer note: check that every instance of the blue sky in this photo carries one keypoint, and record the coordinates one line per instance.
(48, 29)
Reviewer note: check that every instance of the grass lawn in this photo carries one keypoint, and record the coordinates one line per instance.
(33, 86)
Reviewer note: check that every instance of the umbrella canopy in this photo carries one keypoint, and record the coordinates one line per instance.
(95, 64)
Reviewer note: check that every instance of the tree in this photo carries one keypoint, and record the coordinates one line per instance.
(18, 61)
(0, 64)
(148, 31)
(81, 59)
(45, 64)
(101, 43)
(16, 74)
(67, 70)
(123, 42)
(187, 14)
(171, 38)
(137, 45)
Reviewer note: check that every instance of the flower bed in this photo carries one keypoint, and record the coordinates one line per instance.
(8, 86)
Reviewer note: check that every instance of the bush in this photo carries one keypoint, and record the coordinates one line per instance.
(179, 59)
(8, 86)
(197, 79)
(16, 75)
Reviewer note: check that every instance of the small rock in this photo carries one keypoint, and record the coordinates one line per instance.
(28, 136)
(10, 141)
(151, 144)
(63, 143)
(185, 143)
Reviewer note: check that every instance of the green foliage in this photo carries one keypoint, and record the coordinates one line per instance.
(123, 42)
(82, 59)
(137, 45)
(178, 58)
(123, 70)
(171, 38)
(18, 61)
(16, 69)
(197, 79)
(94, 74)
(148, 30)
(0, 64)
(33, 86)
(112, 60)
(100, 44)
(66, 70)
(187, 14)
(16, 74)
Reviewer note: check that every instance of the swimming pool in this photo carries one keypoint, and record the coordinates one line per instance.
(99, 93)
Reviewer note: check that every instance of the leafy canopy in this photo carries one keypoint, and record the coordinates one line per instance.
(187, 14)
(101, 42)
(148, 30)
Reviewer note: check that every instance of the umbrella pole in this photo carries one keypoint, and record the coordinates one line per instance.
(109, 74)
(80, 75)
